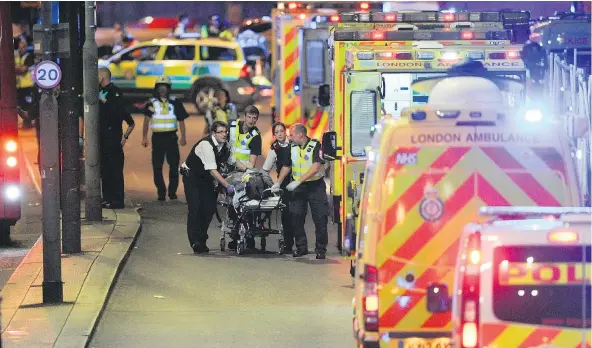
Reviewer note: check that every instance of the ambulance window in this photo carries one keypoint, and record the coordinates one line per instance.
(315, 62)
(184, 52)
(213, 53)
(141, 53)
(532, 285)
(363, 117)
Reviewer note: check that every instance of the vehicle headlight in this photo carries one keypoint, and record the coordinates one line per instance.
(12, 192)
(533, 115)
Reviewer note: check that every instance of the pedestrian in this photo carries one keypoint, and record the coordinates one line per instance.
(279, 156)
(164, 114)
(199, 171)
(25, 87)
(112, 113)
(309, 188)
(181, 28)
(245, 142)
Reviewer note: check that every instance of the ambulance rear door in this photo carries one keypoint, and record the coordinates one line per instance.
(315, 68)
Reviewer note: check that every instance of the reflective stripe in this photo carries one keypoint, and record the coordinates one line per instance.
(516, 336)
(240, 142)
(164, 118)
(23, 81)
(302, 161)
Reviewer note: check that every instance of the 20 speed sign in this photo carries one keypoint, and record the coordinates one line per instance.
(47, 74)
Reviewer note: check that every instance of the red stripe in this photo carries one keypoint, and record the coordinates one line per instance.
(291, 35)
(539, 337)
(289, 84)
(529, 185)
(414, 194)
(290, 59)
(489, 194)
(490, 332)
(290, 107)
(552, 158)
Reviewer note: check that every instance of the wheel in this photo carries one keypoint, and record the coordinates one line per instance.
(241, 248)
(263, 243)
(222, 244)
(281, 245)
(203, 93)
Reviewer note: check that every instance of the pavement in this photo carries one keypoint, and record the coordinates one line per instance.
(87, 277)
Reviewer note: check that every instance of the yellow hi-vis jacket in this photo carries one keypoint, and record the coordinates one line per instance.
(25, 80)
(164, 118)
(302, 161)
(240, 142)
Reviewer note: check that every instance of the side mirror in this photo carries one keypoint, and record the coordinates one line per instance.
(324, 95)
(438, 300)
(329, 146)
(349, 242)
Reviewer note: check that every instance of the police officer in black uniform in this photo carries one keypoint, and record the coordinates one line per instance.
(112, 113)
(199, 172)
(279, 155)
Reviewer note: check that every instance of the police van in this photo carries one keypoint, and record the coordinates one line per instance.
(522, 280)
(426, 177)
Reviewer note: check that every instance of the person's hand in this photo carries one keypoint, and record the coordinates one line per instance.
(230, 190)
(145, 142)
(248, 165)
(151, 109)
(293, 185)
(275, 188)
(182, 141)
(103, 96)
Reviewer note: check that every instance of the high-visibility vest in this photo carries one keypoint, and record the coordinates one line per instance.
(23, 81)
(302, 161)
(164, 118)
(240, 142)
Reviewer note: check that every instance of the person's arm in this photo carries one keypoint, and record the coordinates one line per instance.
(131, 124)
(216, 174)
(270, 160)
(181, 114)
(255, 147)
(183, 140)
(208, 158)
(286, 170)
(238, 164)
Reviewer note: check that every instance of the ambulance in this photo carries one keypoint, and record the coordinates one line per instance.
(300, 63)
(522, 280)
(376, 57)
(427, 175)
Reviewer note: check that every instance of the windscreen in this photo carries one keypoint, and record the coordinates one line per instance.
(542, 285)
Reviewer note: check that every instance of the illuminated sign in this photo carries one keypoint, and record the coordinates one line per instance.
(543, 273)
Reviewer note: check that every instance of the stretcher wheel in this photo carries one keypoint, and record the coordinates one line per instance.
(281, 245)
(241, 248)
(263, 243)
(222, 244)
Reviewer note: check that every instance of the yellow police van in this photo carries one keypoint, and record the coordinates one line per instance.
(426, 177)
(522, 280)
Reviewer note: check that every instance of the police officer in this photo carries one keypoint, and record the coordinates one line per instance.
(245, 141)
(199, 171)
(308, 187)
(112, 113)
(162, 115)
(279, 155)
(25, 88)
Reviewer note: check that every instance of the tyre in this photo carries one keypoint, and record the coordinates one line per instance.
(241, 248)
(222, 244)
(263, 243)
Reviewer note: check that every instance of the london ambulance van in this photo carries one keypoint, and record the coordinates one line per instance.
(522, 280)
(426, 177)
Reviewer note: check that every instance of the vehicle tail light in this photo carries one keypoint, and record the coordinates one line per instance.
(561, 237)
(334, 18)
(404, 56)
(245, 72)
(11, 161)
(448, 17)
(292, 6)
(497, 55)
(513, 55)
(467, 35)
(10, 146)
(370, 299)
(364, 6)
(377, 35)
(470, 292)
(391, 17)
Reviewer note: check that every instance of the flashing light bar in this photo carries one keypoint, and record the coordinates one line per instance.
(416, 35)
(514, 17)
(532, 211)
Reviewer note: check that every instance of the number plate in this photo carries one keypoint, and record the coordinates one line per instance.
(421, 343)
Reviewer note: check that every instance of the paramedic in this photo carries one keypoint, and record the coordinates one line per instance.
(162, 114)
(308, 187)
(279, 155)
(199, 170)
(245, 138)
(112, 113)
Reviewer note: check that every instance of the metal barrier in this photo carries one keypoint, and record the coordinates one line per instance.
(568, 90)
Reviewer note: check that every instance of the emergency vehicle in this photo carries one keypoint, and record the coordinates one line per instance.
(300, 63)
(10, 184)
(376, 57)
(427, 175)
(522, 279)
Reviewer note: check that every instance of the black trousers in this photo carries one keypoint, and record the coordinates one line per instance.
(201, 205)
(312, 193)
(287, 217)
(165, 144)
(112, 159)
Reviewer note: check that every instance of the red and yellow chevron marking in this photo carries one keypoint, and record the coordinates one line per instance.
(465, 179)
(290, 102)
(525, 336)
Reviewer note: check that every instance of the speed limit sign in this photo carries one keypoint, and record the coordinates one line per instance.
(47, 74)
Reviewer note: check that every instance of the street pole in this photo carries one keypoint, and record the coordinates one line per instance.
(50, 173)
(92, 164)
(68, 119)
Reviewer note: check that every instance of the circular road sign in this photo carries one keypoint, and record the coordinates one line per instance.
(47, 74)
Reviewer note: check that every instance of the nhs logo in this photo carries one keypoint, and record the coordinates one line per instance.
(406, 158)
